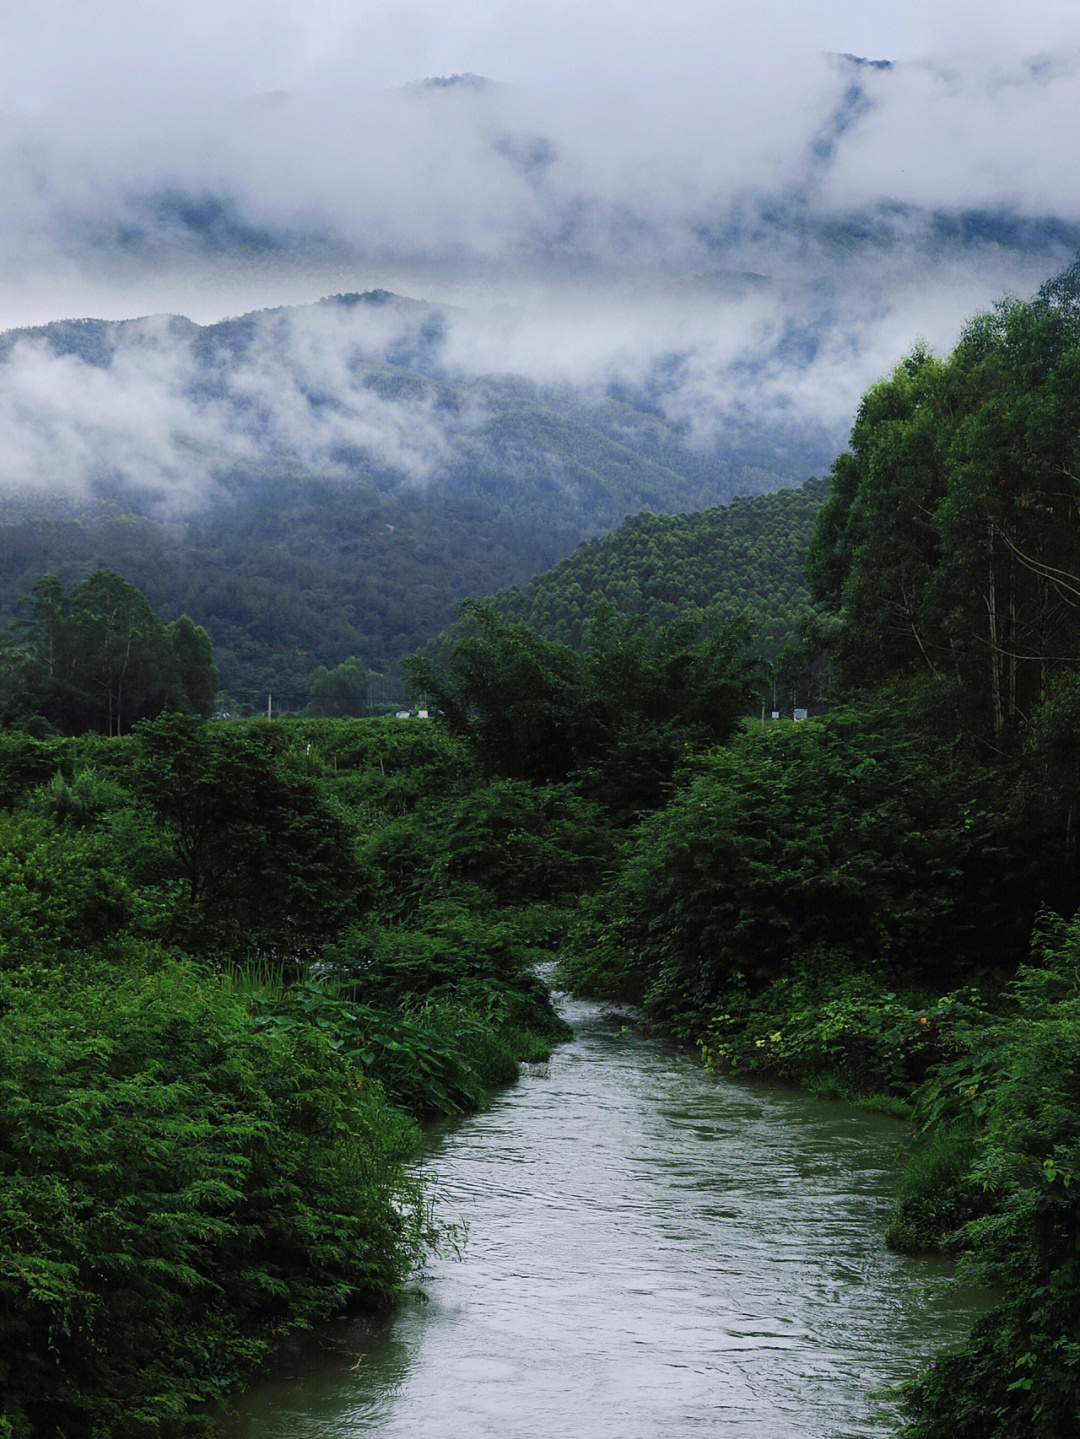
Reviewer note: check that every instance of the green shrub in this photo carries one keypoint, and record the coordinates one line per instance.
(844, 1031)
(937, 1194)
(481, 958)
(851, 839)
(26, 761)
(80, 801)
(177, 1188)
(486, 1049)
(440, 1056)
(59, 892)
(1018, 1374)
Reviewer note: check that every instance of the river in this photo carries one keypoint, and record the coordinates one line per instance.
(652, 1253)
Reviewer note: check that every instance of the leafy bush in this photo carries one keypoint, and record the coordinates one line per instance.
(523, 843)
(178, 1188)
(936, 1195)
(395, 766)
(26, 761)
(59, 894)
(82, 800)
(841, 1030)
(1018, 1375)
(847, 844)
(479, 958)
(442, 1056)
(267, 863)
(488, 1050)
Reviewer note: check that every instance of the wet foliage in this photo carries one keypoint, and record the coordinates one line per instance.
(237, 964)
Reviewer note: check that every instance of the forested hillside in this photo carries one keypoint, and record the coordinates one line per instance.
(295, 573)
(309, 573)
(748, 558)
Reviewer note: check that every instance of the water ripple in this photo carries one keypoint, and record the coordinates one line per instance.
(652, 1252)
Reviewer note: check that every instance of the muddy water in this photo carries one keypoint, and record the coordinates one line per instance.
(651, 1252)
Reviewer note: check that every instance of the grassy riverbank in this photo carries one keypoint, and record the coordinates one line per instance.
(237, 966)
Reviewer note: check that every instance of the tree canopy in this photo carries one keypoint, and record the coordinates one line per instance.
(99, 658)
(949, 545)
(746, 557)
(623, 709)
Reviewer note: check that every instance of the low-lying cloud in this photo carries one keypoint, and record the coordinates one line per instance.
(755, 374)
(166, 411)
(717, 211)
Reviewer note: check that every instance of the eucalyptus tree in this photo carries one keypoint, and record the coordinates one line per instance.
(950, 543)
(99, 658)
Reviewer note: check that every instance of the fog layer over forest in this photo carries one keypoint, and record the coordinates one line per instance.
(731, 227)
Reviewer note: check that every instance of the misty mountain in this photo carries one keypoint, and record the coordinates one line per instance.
(319, 481)
(167, 418)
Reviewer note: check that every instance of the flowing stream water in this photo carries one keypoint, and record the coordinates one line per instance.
(652, 1253)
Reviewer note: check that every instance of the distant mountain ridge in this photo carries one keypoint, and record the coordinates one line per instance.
(356, 386)
(313, 482)
(318, 481)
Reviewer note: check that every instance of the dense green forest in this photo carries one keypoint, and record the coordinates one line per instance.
(99, 658)
(307, 574)
(744, 562)
(235, 954)
(748, 558)
(294, 573)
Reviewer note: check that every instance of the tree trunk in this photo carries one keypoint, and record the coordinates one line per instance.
(995, 652)
(1012, 643)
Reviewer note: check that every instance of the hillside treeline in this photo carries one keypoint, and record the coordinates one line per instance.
(310, 522)
(747, 558)
(99, 658)
(290, 573)
(295, 574)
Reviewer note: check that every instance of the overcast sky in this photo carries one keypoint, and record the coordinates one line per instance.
(632, 181)
(611, 137)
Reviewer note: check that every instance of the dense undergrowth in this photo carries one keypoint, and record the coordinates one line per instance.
(237, 965)
(779, 958)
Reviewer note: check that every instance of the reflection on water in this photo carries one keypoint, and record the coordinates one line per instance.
(652, 1252)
